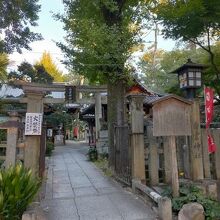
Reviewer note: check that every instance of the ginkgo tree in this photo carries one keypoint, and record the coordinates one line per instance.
(4, 61)
(99, 41)
(50, 66)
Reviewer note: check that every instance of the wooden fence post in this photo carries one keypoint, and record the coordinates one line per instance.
(186, 157)
(206, 161)
(175, 177)
(153, 165)
(216, 136)
(12, 138)
(167, 161)
(196, 148)
(137, 136)
(98, 114)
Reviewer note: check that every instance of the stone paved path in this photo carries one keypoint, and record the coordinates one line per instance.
(77, 190)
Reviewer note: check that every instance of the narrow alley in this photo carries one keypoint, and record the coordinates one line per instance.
(77, 190)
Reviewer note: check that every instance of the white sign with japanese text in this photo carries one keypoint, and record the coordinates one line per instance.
(33, 123)
(49, 132)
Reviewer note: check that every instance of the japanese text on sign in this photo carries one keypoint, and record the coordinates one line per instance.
(33, 123)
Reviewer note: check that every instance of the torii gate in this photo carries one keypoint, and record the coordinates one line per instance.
(35, 99)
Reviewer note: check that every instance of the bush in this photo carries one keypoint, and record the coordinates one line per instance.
(17, 190)
(49, 148)
(191, 193)
(93, 154)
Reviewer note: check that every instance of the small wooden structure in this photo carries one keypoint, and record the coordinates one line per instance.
(171, 118)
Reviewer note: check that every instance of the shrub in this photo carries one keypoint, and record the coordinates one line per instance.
(17, 190)
(191, 193)
(93, 154)
(49, 148)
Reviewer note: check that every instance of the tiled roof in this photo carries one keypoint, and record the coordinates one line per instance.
(148, 100)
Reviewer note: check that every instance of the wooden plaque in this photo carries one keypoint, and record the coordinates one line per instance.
(171, 116)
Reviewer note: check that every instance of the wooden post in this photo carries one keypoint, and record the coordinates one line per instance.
(196, 147)
(153, 158)
(186, 157)
(216, 136)
(12, 138)
(32, 149)
(137, 137)
(167, 160)
(43, 140)
(98, 114)
(206, 161)
(174, 170)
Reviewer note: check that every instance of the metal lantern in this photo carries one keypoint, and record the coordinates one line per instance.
(190, 77)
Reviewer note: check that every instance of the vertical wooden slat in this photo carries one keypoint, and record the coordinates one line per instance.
(167, 160)
(206, 161)
(122, 154)
(216, 136)
(175, 178)
(186, 157)
(153, 158)
(42, 152)
(196, 148)
(153, 163)
(179, 152)
(12, 137)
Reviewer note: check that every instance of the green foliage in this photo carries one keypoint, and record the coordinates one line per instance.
(158, 77)
(3, 67)
(199, 16)
(17, 190)
(50, 67)
(100, 35)
(191, 193)
(93, 154)
(102, 163)
(27, 72)
(16, 17)
(195, 21)
(49, 148)
(60, 116)
(209, 78)
(3, 135)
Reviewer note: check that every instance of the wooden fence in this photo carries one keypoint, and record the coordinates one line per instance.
(157, 157)
(19, 147)
(122, 154)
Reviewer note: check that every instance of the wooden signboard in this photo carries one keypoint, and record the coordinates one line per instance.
(171, 116)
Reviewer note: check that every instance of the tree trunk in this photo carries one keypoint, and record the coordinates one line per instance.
(116, 115)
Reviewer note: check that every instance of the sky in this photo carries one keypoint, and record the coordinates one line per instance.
(52, 31)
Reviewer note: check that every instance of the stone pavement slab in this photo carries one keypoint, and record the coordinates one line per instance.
(77, 190)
